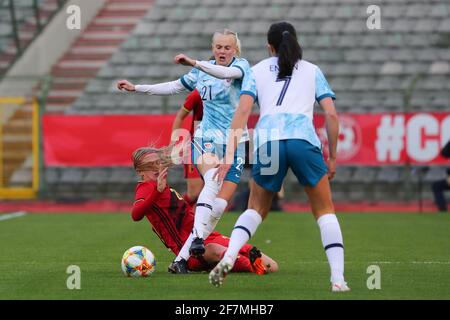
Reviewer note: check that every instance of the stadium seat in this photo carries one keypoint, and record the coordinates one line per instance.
(439, 10)
(348, 42)
(403, 55)
(191, 28)
(354, 26)
(343, 174)
(426, 25)
(394, 102)
(275, 13)
(391, 68)
(439, 67)
(345, 11)
(332, 27)
(227, 14)
(186, 3)
(179, 14)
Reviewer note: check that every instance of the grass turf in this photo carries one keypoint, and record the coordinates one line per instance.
(410, 249)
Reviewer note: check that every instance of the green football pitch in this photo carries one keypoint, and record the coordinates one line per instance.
(411, 251)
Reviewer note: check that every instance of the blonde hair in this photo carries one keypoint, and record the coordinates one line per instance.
(141, 162)
(228, 32)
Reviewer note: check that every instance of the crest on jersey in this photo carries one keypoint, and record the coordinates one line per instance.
(208, 146)
(228, 82)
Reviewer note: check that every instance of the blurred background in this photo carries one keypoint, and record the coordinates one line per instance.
(63, 122)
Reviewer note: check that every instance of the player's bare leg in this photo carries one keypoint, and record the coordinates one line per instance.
(194, 187)
(259, 205)
(260, 199)
(323, 210)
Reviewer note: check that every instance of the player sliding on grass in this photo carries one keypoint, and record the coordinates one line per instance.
(172, 218)
(221, 82)
(287, 87)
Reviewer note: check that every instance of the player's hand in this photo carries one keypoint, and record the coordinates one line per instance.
(221, 172)
(162, 179)
(331, 168)
(125, 85)
(184, 60)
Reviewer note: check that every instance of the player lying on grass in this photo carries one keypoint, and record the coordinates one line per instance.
(172, 219)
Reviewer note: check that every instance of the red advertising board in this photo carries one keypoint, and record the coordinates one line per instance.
(365, 139)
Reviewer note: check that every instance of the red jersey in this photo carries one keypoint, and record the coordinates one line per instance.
(170, 215)
(194, 103)
(172, 220)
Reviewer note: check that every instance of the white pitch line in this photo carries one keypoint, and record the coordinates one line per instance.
(410, 262)
(13, 215)
(377, 262)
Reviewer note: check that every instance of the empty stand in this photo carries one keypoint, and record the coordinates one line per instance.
(356, 60)
(404, 66)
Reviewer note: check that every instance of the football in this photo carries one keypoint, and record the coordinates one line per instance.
(138, 261)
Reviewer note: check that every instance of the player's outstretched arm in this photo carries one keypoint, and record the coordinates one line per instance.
(161, 89)
(126, 85)
(220, 72)
(332, 127)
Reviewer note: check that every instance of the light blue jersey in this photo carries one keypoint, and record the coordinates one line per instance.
(220, 99)
(285, 134)
(286, 105)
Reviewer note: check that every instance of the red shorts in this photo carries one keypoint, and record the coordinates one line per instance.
(191, 172)
(198, 264)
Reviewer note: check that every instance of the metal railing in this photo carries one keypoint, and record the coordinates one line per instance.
(9, 160)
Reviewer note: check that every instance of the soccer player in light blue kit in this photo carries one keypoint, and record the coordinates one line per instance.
(221, 83)
(287, 88)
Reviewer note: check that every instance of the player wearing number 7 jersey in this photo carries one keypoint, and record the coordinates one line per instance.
(287, 88)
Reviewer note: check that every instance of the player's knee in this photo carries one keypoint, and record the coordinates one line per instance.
(207, 162)
(210, 182)
(219, 206)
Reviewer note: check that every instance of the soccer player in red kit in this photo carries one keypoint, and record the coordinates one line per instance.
(193, 103)
(172, 219)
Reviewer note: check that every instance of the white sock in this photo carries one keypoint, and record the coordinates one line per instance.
(244, 228)
(218, 208)
(205, 203)
(184, 252)
(333, 244)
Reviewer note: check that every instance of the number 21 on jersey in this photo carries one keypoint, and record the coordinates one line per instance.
(206, 93)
